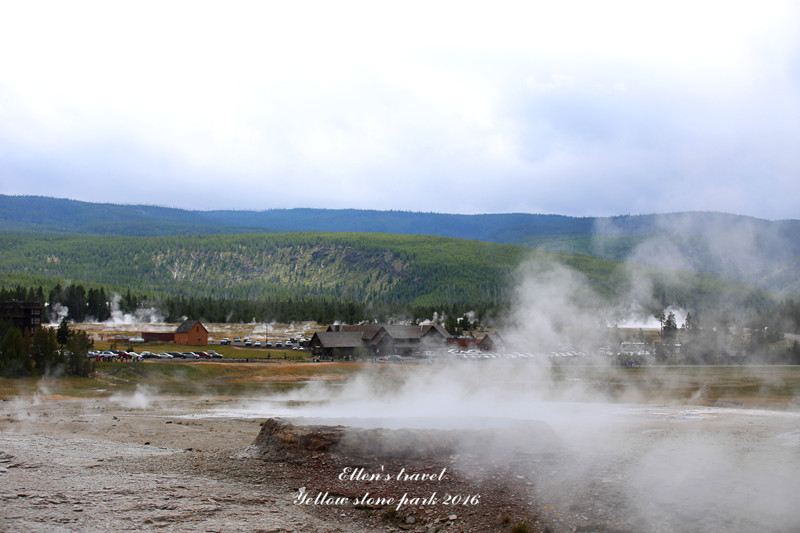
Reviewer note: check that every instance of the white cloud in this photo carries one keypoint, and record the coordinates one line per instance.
(358, 104)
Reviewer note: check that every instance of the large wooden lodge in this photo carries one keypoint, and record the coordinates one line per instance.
(376, 340)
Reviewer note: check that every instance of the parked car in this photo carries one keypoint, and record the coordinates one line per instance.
(269, 344)
(107, 355)
(189, 355)
(237, 339)
(214, 354)
(226, 340)
(279, 344)
(163, 355)
(203, 355)
(248, 342)
(257, 344)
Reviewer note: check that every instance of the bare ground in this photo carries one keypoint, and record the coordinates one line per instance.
(104, 465)
(97, 465)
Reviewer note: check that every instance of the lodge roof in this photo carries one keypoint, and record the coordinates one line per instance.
(414, 331)
(339, 339)
(367, 330)
(494, 338)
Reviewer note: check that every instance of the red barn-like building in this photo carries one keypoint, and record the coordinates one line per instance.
(191, 333)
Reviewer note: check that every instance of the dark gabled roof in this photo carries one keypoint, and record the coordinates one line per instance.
(492, 338)
(374, 334)
(187, 325)
(367, 330)
(435, 327)
(414, 332)
(376, 340)
(339, 339)
(403, 332)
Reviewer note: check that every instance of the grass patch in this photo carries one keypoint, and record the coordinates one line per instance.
(171, 378)
(746, 386)
(71, 386)
(772, 387)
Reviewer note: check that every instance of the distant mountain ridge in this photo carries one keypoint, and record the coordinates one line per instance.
(744, 249)
(40, 214)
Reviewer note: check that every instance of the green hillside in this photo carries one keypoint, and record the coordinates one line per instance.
(367, 268)
(353, 267)
(740, 249)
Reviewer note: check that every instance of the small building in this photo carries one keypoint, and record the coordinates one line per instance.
(463, 343)
(491, 342)
(332, 344)
(22, 315)
(191, 333)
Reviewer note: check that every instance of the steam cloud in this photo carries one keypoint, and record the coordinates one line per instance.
(141, 398)
(658, 466)
(142, 315)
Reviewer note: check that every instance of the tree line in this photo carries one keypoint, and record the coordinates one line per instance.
(719, 339)
(753, 333)
(46, 352)
(76, 303)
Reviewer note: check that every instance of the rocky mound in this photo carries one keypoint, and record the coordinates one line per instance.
(282, 439)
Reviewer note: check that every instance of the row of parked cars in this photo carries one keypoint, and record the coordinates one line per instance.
(122, 355)
(291, 344)
(113, 355)
(211, 354)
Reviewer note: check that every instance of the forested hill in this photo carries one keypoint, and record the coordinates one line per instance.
(395, 270)
(758, 252)
(352, 267)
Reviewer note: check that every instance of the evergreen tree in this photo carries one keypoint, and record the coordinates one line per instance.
(451, 324)
(47, 358)
(78, 363)
(63, 332)
(669, 332)
(14, 359)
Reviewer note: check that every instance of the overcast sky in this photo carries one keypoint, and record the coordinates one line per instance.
(577, 108)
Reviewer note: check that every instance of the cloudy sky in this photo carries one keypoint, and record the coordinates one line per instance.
(578, 108)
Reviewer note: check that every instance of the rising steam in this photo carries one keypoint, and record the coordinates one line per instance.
(658, 466)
